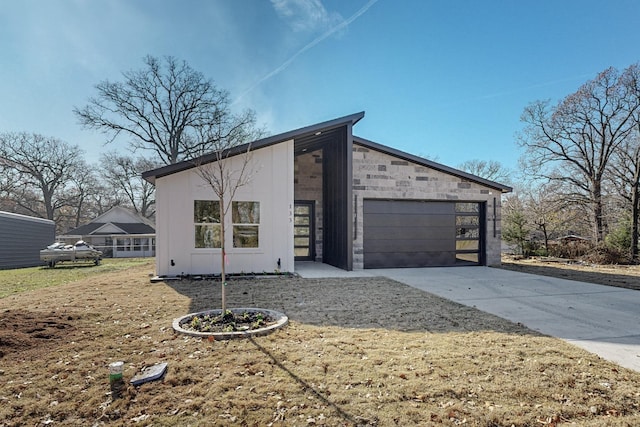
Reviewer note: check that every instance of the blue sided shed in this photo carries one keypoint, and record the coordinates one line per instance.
(22, 238)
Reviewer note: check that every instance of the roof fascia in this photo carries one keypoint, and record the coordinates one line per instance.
(430, 164)
(352, 119)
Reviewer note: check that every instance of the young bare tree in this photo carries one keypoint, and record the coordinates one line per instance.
(217, 171)
(42, 169)
(574, 141)
(163, 108)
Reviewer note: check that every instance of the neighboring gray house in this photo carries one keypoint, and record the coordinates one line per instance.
(22, 239)
(322, 194)
(118, 233)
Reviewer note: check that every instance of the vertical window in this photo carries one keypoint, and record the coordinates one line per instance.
(246, 224)
(206, 219)
(468, 233)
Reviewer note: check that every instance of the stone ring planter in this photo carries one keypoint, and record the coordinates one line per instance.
(280, 321)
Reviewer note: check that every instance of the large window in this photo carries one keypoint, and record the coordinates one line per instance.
(246, 224)
(468, 233)
(206, 218)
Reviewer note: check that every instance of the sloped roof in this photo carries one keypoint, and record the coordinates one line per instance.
(316, 129)
(430, 164)
(310, 137)
(25, 217)
(120, 214)
(135, 224)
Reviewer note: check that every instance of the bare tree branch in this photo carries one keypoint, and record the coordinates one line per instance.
(40, 172)
(123, 175)
(164, 107)
(574, 141)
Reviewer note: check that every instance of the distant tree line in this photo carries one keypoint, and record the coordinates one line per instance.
(48, 178)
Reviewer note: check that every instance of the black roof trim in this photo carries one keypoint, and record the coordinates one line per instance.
(255, 145)
(430, 164)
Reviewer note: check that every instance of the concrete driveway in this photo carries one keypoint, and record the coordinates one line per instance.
(601, 319)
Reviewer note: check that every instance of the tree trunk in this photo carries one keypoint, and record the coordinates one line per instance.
(79, 212)
(546, 237)
(223, 283)
(48, 204)
(597, 211)
(635, 202)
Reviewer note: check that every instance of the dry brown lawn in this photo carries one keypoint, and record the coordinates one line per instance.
(358, 352)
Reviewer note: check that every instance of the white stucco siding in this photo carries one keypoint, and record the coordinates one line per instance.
(271, 185)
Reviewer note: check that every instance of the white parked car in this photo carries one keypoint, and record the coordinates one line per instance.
(61, 252)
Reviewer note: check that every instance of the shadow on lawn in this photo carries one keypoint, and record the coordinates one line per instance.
(619, 280)
(366, 302)
(358, 421)
(373, 302)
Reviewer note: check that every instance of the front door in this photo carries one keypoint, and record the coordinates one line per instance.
(303, 226)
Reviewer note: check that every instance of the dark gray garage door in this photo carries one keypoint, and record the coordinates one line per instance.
(402, 233)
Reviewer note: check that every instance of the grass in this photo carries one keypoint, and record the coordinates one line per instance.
(357, 352)
(32, 278)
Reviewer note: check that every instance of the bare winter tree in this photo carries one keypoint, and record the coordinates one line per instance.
(82, 186)
(9, 182)
(124, 175)
(515, 228)
(625, 169)
(624, 177)
(574, 141)
(42, 169)
(104, 198)
(163, 108)
(550, 213)
(491, 170)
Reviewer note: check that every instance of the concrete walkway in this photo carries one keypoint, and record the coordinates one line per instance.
(601, 319)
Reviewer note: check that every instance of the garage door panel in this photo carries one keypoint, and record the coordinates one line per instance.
(402, 233)
(400, 220)
(409, 246)
(409, 260)
(409, 233)
(407, 207)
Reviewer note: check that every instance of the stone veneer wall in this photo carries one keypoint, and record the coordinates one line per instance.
(380, 176)
(308, 186)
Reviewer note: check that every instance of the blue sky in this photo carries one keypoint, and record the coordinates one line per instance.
(442, 79)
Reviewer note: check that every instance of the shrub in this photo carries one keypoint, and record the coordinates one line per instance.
(606, 254)
(620, 237)
(570, 249)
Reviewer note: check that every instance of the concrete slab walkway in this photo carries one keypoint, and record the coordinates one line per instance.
(601, 319)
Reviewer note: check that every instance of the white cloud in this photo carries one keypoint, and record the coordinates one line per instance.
(306, 15)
